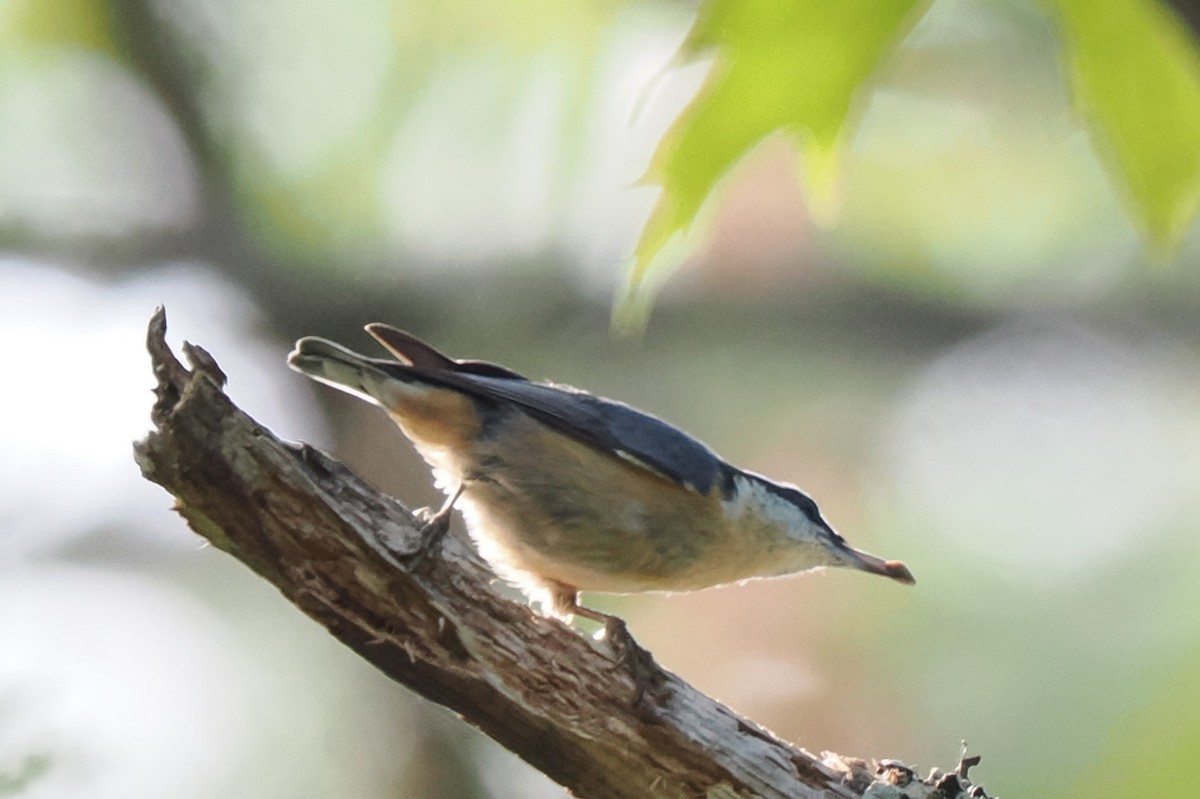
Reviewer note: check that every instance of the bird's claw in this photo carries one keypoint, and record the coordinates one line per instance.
(562, 602)
(433, 526)
(639, 663)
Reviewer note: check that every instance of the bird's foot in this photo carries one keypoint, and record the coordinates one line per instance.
(645, 673)
(636, 660)
(434, 526)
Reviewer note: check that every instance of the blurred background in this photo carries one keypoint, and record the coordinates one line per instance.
(973, 366)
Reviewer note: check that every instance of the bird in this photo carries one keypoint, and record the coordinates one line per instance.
(563, 491)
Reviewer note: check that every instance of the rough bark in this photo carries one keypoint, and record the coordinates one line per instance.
(351, 558)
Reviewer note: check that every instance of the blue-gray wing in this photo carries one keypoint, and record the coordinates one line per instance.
(638, 438)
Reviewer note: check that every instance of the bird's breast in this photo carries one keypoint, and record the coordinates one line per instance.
(538, 503)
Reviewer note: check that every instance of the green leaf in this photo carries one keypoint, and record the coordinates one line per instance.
(63, 23)
(779, 65)
(1135, 74)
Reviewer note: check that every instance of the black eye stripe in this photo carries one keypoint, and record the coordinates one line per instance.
(798, 498)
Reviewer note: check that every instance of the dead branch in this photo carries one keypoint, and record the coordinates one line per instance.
(344, 554)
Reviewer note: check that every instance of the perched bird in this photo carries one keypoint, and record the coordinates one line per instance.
(563, 491)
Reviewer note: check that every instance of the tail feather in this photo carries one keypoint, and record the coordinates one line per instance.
(410, 349)
(334, 365)
(437, 413)
(419, 355)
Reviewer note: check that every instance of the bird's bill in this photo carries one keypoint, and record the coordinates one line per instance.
(892, 569)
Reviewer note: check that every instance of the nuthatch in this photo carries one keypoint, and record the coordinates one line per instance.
(563, 491)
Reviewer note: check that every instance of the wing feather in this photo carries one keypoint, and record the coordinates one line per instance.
(638, 438)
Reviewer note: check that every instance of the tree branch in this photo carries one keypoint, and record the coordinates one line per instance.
(345, 554)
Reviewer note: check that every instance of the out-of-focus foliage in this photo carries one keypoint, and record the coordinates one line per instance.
(778, 66)
(1135, 70)
(966, 362)
(1151, 752)
(76, 23)
(335, 156)
(796, 67)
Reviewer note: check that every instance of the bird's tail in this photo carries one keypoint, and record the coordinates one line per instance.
(437, 415)
(333, 364)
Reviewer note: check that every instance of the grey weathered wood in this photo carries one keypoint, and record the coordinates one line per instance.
(342, 552)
